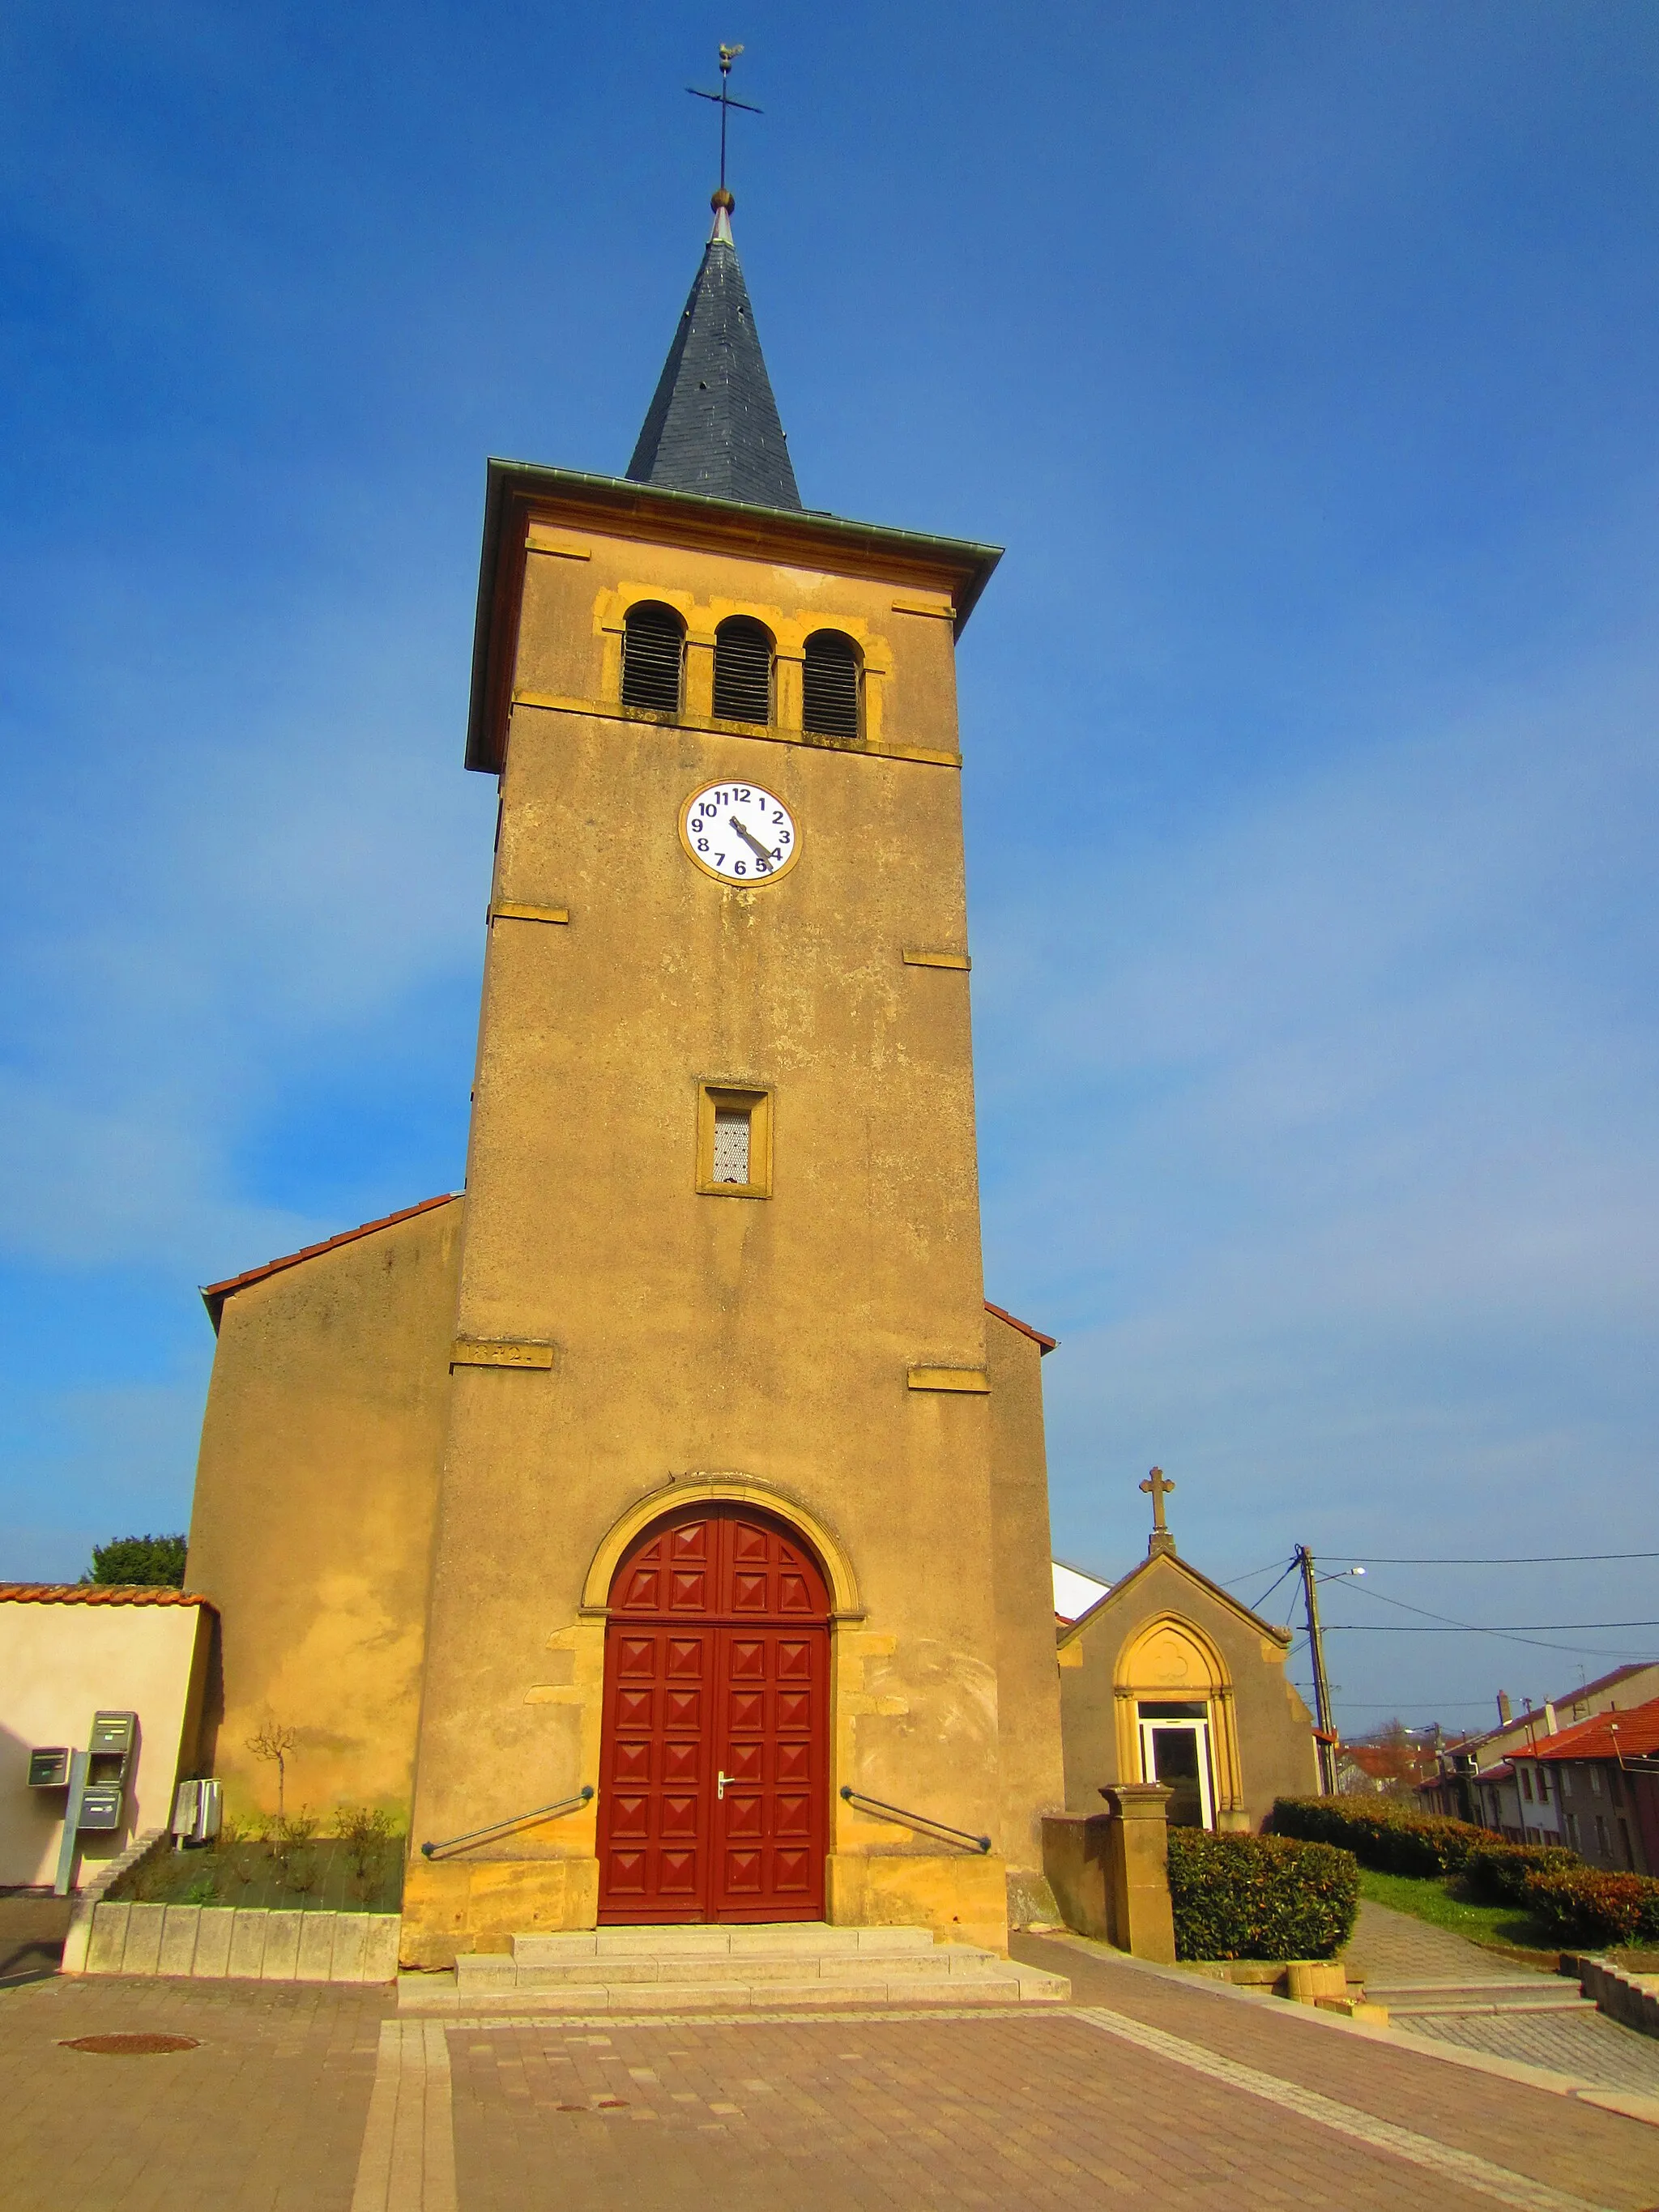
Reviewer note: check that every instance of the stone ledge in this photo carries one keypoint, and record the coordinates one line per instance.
(220, 1942)
(87, 1899)
(1630, 1999)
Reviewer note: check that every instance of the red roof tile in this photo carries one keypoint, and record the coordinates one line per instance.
(99, 1593)
(1604, 1735)
(1045, 1343)
(215, 1294)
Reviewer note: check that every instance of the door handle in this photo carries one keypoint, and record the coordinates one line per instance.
(720, 1780)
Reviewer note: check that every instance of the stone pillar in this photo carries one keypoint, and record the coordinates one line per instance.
(1138, 1871)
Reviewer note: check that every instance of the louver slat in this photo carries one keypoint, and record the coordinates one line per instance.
(743, 673)
(830, 704)
(653, 648)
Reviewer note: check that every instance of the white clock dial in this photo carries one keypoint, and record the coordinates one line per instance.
(739, 833)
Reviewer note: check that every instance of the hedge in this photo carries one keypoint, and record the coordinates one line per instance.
(1581, 1904)
(1392, 1839)
(1259, 1897)
(1499, 1872)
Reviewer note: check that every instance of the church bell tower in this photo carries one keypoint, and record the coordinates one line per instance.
(740, 1570)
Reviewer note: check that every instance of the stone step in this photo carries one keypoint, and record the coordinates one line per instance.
(1015, 1984)
(799, 1965)
(1427, 2010)
(1426, 2000)
(438, 1994)
(939, 1961)
(770, 1938)
(1424, 1985)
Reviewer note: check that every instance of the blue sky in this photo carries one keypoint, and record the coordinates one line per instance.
(1304, 359)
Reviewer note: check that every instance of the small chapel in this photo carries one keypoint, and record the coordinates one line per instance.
(658, 1528)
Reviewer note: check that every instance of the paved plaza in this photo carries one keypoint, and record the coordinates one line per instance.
(1146, 2091)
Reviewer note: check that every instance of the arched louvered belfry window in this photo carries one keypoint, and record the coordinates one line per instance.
(743, 671)
(653, 650)
(830, 683)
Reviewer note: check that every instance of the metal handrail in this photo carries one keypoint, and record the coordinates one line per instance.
(506, 1827)
(919, 1820)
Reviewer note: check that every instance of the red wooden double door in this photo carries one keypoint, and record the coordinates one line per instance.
(714, 1768)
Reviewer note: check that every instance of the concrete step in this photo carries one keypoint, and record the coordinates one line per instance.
(438, 1994)
(940, 1961)
(1420, 1999)
(796, 1965)
(814, 1938)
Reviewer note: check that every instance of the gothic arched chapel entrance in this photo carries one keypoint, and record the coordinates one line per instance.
(714, 1769)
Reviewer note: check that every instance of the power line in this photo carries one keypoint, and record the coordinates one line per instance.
(1544, 1560)
(1251, 1576)
(1475, 1628)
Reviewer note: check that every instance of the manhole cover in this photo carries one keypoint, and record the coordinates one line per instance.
(129, 2047)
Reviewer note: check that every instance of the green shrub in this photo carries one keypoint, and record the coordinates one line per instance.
(1395, 1840)
(1259, 1897)
(158, 1561)
(1499, 1872)
(1581, 1904)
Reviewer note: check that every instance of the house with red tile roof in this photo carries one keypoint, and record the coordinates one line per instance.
(1602, 1778)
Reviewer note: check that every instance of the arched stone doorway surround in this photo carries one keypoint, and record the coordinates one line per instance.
(715, 1733)
(1170, 1660)
(869, 1882)
(852, 1647)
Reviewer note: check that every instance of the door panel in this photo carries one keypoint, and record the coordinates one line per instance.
(715, 1754)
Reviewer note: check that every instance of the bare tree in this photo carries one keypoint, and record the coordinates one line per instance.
(275, 1742)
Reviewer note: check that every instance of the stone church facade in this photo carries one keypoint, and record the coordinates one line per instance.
(681, 1461)
(660, 1529)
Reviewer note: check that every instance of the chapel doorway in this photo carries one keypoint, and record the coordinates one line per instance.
(715, 1749)
(1174, 1749)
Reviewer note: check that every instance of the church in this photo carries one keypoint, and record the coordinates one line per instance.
(659, 1527)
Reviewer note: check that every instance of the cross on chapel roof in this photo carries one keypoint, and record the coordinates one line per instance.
(1158, 1485)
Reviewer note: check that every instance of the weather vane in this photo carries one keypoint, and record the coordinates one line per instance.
(724, 101)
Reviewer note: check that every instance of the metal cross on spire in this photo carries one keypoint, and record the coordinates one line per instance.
(724, 101)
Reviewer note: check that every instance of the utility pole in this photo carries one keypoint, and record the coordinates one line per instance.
(1322, 1685)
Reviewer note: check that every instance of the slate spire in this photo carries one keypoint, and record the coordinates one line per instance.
(712, 427)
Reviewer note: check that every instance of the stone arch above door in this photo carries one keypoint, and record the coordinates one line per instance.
(845, 1601)
(1171, 1658)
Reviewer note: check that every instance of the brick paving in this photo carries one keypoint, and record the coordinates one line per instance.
(1395, 1946)
(1570, 2146)
(1011, 2109)
(266, 2115)
(1586, 2044)
(877, 2114)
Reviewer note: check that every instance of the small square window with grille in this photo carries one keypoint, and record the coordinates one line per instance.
(731, 1144)
(734, 1142)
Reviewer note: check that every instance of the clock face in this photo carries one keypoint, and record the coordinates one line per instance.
(739, 833)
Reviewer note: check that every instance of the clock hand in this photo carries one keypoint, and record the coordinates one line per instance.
(753, 843)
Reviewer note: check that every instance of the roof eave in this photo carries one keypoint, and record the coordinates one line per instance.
(1284, 1637)
(967, 564)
